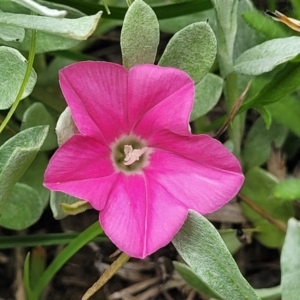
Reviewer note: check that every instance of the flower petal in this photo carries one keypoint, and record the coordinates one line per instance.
(96, 93)
(82, 168)
(139, 217)
(199, 186)
(149, 85)
(202, 149)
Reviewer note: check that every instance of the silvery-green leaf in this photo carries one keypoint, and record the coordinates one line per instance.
(290, 262)
(16, 155)
(13, 67)
(266, 56)
(140, 35)
(208, 93)
(226, 16)
(22, 208)
(202, 248)
(40, 9)
(11, 33)
(192, 49)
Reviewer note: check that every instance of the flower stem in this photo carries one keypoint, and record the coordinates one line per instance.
(24, 83)
(115, 266)
(235, 128)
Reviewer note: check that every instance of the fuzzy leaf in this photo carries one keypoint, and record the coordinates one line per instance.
(11, 33)
(194, 280)
(290, 263)
(22, 208)
(202, 248)
(15, 157)
(140, 35)
(37, 114)
(13, 67)
(53, 34)
(192, 49)
(226, 15)
(208, 93)
(266, 56)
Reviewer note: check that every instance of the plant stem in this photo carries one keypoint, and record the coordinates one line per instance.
(235, 128)
(115, 266)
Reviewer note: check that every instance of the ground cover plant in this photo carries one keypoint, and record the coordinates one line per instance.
(149, 149)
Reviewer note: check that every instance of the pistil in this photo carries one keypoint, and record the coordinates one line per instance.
(132, 155)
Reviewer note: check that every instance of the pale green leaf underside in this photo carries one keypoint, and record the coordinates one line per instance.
(202, 248)
(13, 67)
(266, 56)
(78, 29)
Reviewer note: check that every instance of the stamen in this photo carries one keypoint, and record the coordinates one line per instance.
(132, 155)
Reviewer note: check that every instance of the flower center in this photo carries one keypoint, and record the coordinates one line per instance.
(129, 154)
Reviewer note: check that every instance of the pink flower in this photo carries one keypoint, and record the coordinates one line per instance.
(134, 158)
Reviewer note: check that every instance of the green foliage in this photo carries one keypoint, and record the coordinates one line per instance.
(15, 157)
(202, 248)
(192, 49)
(140, 35)
(288, 189)
(290, 263)
(259, 142)
(208, 93)
(266, 56)
(13, 66)
(258, 187)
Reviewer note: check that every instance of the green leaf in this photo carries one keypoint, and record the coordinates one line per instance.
(208, 93)
(162, 12)
(243, 30)
(53, 34)
(192, 49)
(259, 141)
(283, 83)
(15, 157)
(202, 248)
(273, 293)
(290, 118)
(40, 9)
(288, 189)
(194, 280)
(37, 114)
(266, 56)
(13, 67)
(56, 199)
(290, 263)
(258, 187)
(226, 15)
(140, 35)
(22, 208)
(264, 24)
(230, 239)
(34, 177)
(11, 33)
